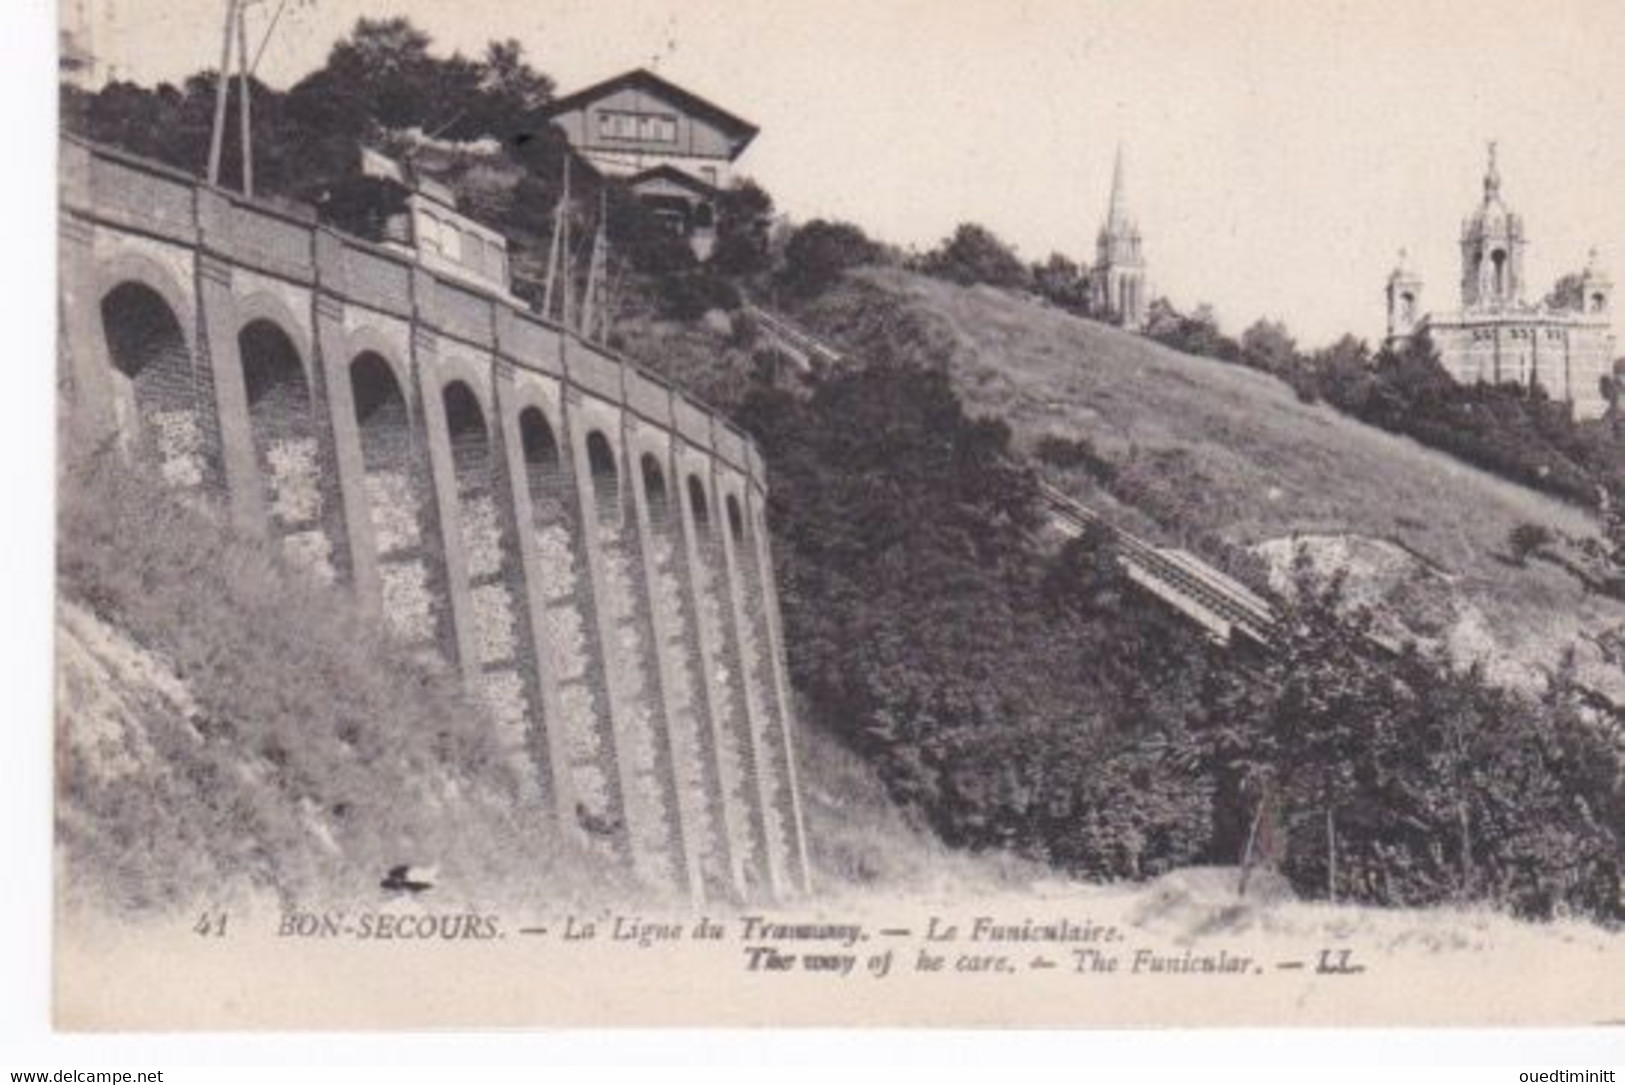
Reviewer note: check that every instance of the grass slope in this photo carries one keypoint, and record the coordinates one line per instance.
(230, 729)
(1225, 451)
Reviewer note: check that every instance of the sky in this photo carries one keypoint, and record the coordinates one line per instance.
(1278, 154)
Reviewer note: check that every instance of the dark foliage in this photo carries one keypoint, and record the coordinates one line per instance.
(1398, 780)
(1005, 695)
(744, 215)
(818, 253)
(1197, 333)
(1041, 703)
(692, 295)
(974, 254)
(1062, 283)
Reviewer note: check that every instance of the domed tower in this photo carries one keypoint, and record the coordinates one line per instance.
(1596, 289)
(1404, 298)
(1117, 282)
(1492, 243)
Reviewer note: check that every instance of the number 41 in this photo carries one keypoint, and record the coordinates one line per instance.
(210, 923)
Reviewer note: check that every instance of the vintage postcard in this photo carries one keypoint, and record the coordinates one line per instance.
(883, 513)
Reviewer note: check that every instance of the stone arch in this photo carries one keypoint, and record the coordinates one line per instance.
(503, 654)
(699, 504)
(766, 711)
(654, 492)
(545, 477)
(569, 628)
(126, 268)
(606, 479)
(148, 347)
(470, 439)
(283, 430)
(368, 339)
(395, 494)
(261, 307)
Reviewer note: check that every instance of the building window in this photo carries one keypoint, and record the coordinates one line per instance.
(428, 233)
(451, 242)
(642, 127)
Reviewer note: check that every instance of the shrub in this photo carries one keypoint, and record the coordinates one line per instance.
(1525, 539)
(819, 252)
(974, 254)
(688, 297)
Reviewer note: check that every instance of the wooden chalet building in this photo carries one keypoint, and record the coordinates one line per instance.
(674, 148)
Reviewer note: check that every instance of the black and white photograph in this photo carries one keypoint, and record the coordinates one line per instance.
(962, 514)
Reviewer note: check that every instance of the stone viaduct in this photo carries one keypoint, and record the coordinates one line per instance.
(583, 542)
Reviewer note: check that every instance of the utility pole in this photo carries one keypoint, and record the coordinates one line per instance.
(218, 135)
(236, 25)
(594, 309)
(558, 252)
(243, 94)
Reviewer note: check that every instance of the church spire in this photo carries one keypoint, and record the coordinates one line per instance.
(1117, 281)
(1492, 177)
(1117, 210)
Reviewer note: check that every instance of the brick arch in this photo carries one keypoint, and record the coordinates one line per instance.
(143, 270)
(367, 340)
(546, 477)
(699, 503)
(657, 491)
(493, 573)
(604, 470)
(517, 400)
(283, 429)
(468, 425)
(151, 368)
(451, 368)
(263, 306)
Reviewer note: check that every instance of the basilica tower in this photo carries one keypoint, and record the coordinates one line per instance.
(1492, 244)
(1563, 346)
(1117, 291)
(1404, 298)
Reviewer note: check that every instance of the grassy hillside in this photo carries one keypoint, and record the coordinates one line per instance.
(228, 728)
(1201, 450)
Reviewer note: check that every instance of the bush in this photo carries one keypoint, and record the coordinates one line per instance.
(1416, 783)
(818, 253)
(1525, 539)
(688, 297)
(974, 254)
(1068, 453)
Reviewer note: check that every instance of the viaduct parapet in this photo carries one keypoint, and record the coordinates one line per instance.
(585, 543)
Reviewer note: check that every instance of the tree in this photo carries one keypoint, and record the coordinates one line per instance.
(1197, 333)
(1342, 372)
(818, 253)
(510, 92)
(385, 70)
(1062, 282)
(744, 217)
(1267, 345)
(974, 254)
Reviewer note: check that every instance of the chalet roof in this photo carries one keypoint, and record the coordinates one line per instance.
(732, 125)
(677, 177)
